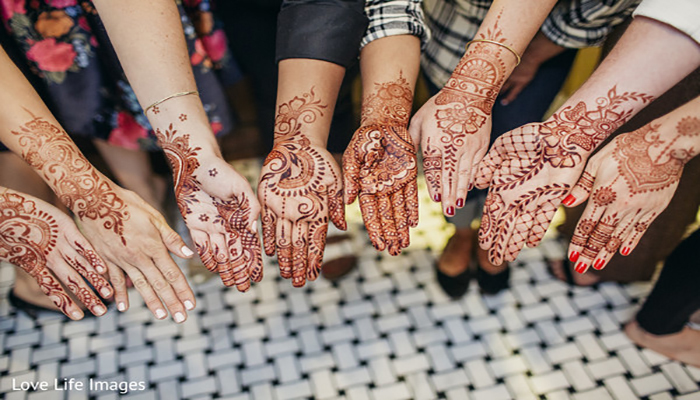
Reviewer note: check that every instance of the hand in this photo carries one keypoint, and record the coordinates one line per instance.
(532, 168)
(380, 166)
(455, 125)
(518, 80)
(300, 189)
(632, 180)
(219, 208)
(45, 243)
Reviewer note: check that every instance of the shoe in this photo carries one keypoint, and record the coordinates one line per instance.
(454, 286)
(490, 283)
(339, 258)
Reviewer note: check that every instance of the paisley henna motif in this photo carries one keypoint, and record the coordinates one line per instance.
(47, 148)
(183, 161)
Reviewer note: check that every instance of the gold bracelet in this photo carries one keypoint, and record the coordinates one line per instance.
(517, 56)
(180, 94)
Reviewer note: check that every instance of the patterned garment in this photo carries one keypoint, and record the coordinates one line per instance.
(395, 17)
(65, 45)
(571, 24)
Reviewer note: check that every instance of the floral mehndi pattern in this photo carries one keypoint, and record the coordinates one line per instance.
(300, 190)
(380, 166)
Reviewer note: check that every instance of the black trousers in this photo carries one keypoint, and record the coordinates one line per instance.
(676, 295)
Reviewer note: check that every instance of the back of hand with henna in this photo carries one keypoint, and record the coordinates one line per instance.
(628, 184)
(45, 243)
(300, 190)
(380, 166)
(532, 168)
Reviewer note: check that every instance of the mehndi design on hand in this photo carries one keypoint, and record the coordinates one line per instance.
(46, 244)
(300, 190)
(532, 168)
(380, 167)
(629, 182)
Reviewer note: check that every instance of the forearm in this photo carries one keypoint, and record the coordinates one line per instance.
(389, 65)
(310, 87)
(150, 42)
(541, 49)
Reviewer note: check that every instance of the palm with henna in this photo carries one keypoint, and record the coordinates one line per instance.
(45, 243)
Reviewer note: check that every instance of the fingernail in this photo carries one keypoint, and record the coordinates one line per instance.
(573, 257)
(179, 317)
(504, 102)
(626, 251)
(101, 269)
(599, 264)
(437, 197)
(470, 187)
(98, 310)
(450, 211)
(76, 315)
(569, 200)
(460, 203)
(189, 305)
(160, 314)
(121, 306)
(581, 267)
(255, 225)
(186, 251)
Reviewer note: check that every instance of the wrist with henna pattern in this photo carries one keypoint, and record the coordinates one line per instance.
(84, 190)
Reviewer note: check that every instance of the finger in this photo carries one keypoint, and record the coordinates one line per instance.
(370, 216)
(204, 249)
(249, 201)
(317, 244)
(465, 173)
(269, 225)
(75, 283)
(487, 167)
(519, 234)
(493, 207)
(450, 181)
(53, 290)
(514, 91)
(85, 250)
(149, 296)
(170, 238)
(622, 230)
(163, 289)
(176, 281)
(336, 208)
(351, 173)
(300, 234)
(118, 281)
(582, 189)
(284, 248)
(250, 243)
(398, 204)
(411, 195)
(598, 239)
(541, 224)
(219, 249)
(84, 268)
(432, 168)
(235, 262)
(386, 219)
(638, 230)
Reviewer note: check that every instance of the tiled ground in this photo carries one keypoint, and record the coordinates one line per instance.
(385, 332)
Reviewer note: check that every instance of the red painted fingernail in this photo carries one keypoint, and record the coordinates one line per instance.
(581, 267)
(470, 187)
(569, 200)
(437, 197)
(450, 211)
(573, 257)
(460, 203)
(626, 251)
(599, 264)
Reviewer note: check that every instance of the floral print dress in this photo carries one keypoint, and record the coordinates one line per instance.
(64, 44)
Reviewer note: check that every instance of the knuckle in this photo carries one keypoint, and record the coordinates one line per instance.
(140, 283)
(171, 275)
(159, 284)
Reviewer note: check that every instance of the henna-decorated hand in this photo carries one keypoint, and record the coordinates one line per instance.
(219, 208)
(300, 189)
(632, 180)
(454, 126)
(45, 242)
(380, 167)
(128, 233)
(532, 168)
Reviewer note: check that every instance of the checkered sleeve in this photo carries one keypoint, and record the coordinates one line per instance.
(585, 23)
(395, 17)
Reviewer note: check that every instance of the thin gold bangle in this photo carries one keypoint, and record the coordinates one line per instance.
(4, 191)
(179, 94)
(517, 56)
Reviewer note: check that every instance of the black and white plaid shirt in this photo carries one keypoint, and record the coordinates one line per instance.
(571, 24)
(395, 17)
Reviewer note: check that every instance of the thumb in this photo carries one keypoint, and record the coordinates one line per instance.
(414, 128)
(172, 240)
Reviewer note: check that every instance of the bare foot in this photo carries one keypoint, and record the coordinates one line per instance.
(557, 267)
(683, 346)
(457, 255)
(483, 257)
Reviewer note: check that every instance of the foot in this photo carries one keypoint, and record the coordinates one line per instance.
(683, 346)
(557, 267)
(457, 255)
